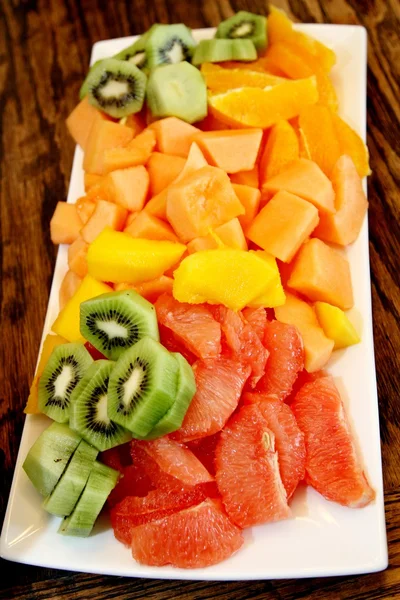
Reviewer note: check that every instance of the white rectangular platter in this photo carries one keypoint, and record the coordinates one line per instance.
(322, 538)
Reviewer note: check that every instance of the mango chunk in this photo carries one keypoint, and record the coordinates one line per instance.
(274, 295)
(336, 325)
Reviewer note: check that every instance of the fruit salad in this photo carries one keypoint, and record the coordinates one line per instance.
(187, 372)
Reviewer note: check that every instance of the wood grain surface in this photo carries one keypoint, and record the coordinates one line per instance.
(44, 52)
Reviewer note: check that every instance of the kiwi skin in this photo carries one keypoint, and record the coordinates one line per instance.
(245, 25)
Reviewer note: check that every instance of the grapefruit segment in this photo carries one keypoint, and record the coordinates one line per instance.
(332, 465)
(257, 318)
(248, 470)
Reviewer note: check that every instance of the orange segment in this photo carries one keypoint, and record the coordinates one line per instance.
(262, 65)
(351, 144)
(281, 149)
(316, 127)
(254, 107)
(219, 79)
(232, 150)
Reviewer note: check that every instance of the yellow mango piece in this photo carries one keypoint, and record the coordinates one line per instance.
(255, 107)
(336, 325)
(274, 295)
(118, 257)
(67, 322)
(222, 276)
(50, 342)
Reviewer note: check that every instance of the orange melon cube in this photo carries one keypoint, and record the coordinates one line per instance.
(202, 200)
(195, 161)
(250, 178)
(232, 150)
(174, 136)
(136, 152)
(350, 202)
(157, 206)
(103, 136)
(106, 214)
(163, 169)
(283, 224)
(304, 178)
(100, 190)
(146, 140)
(150, 290)
(317, 347)
(230, 234)
(77, 252)
(322, 273)
(85, 208)
(201, 243)
(90, 179)
(65, 224)
(135, 122)
(149, 227)
(129, 187)
(250, 200)
(281, 149)
(80, 121)
(68, 287)
(130, 218)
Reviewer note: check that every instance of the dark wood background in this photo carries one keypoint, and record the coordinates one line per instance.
(44, 52)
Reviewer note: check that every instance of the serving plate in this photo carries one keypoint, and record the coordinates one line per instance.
(322, 538)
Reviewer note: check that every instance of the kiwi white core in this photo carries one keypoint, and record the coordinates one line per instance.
(113, 89)
(62, 382)
(137, 58)
(132, 384)
(112, 329)
(175, 55)
(101, 410)
(242, 30)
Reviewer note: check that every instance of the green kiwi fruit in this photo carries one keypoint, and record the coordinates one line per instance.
(49, 455)
(245, 25)
(66, 494)
(102, 480)
(169, 44)
(115, 321)
(173, 418)
(142, 386)
(177, 91)
(65, 368)
(218, 50)
(135, 53)
(89, 409)
(116, 87)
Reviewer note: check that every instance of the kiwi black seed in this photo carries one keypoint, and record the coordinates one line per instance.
(89, 409)
(116, 87)
(63, 372)
(116, 321)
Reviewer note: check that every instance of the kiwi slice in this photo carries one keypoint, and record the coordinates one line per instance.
(245, 25)
(136, 52)
(49, 455)
(66, 494)
(89, 409)
(177, 91)
(142, 386)
(102, 480)
(116, 87)
(222, 50)
(115, 321)
(173, 418)
(62, 373)
(169, 44)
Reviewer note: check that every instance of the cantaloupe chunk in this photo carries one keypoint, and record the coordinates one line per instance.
(68, 287)
(150, 290)
(100, 190)
(322, 273)
(336, 325)
(305, 179)
(174, 136)
(351, 205)
(250, 199)
(65, 224)
(250, 178)
(202, 200)
(195, 161)
(90, 179)
(129, 187)
(80, 121)
(163, 169)
(85, 208)
(317, 347)
(281, 149)
(130, 218)
(230, 234)
(77, 252)
(157, 206)
(135, 122)
(106, 214)
(232, 150)
(67, 322)
(149, 227)
(283, 224)
(103, 136)
(137, 152)
(50, 342)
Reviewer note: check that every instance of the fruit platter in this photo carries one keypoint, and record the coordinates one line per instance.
(205, 404)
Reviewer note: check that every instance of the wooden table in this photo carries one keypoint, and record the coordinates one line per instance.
(44, 52)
